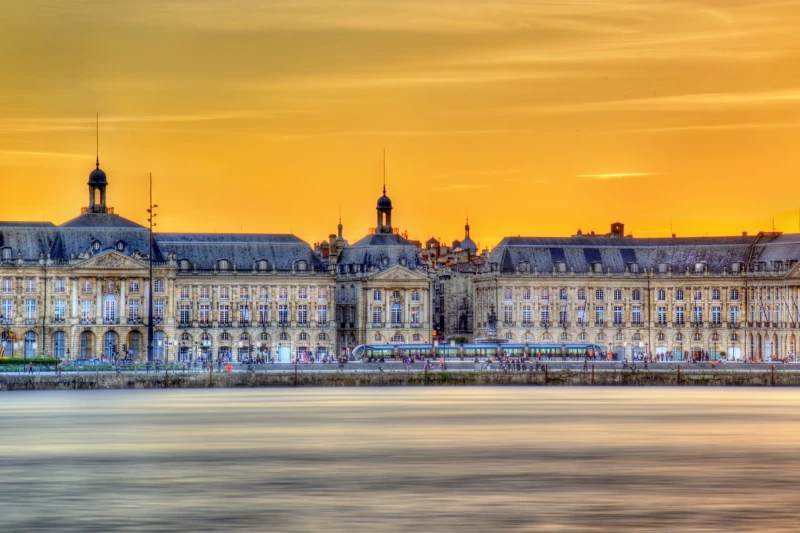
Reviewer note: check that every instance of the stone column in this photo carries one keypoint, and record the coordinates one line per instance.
(123, 308)
(98, 319)
(74, 290)
(145, 308)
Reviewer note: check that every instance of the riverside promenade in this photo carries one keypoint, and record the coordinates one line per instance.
(397, 374)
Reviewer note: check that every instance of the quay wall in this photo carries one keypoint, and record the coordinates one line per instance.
(90, 380)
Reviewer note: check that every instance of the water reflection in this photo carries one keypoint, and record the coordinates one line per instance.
(439, 459)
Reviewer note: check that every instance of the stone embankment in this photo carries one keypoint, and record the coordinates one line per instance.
(110, 380)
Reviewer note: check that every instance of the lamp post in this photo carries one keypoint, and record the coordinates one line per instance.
(151, 215)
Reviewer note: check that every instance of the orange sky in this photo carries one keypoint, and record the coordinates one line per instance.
(539, 117)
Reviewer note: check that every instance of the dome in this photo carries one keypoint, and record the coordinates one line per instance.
(469, 245)
(384, 202)
(97, 177)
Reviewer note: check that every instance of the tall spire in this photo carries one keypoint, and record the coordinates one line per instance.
(97, 148)
(384, 171)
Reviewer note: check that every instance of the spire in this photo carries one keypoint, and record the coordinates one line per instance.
(340, 227)
(384, 171)
(97, 138)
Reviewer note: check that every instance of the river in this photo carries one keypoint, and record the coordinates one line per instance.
(401, 460)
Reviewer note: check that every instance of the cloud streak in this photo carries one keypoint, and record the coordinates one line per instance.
(618, 175)
(461, 186)
(22, 153)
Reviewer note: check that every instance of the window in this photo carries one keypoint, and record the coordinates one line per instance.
(545, 312)
(377, 315)
(734, 315)
(617, 314)
(715, 294)
(224, 264)
(184, 313)
(661, 315)
(396, 295)
(302, 265)
(59, 309)
(30, 309)
(679, 294)
(244, 313)
(352, 293)
(397, 315)
(598, 294)
(376, 295)
(734, 294)
(527, 314)
(158, 345)
(133, 286)
(415, 295)
(302, 293)
(545, 294)
(59, 344)
(205, 292)
(30, 344)
(6, 254)
(661, 295)
(59, 286)
(184, 293)
(283, 313)
(86, 285)
(698, 314)
(636, 316)
(8, 285)
(562, 294)
(262, 265)
(508, 315)
(204, 314)
(581, 315)
(158, 309)
(698, 294)
(110, 310)
(599, 314)
(322, 293)
(526, 293)
(263, 293)
(716, 315)
(263, 313)
(417, 337)
(617, 295)
(509, 336)
(581, 294)
(30, 285)
(224, 293)
(283, 293)
(86, 310)
(636, 295)
(679, 316)
(158, 286)
(244, 293)
(7, 309)
(562, 314)
(508, 293)
(224, 314)
(184, 264)
(302, 314)
(415, 316)
(322, 315)
(133, 310)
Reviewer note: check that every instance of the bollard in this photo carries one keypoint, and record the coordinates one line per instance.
(592, 374)
(772, 379)
(545, 374)
(679, 374)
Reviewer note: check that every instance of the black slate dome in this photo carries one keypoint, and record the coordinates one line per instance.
(98, 177)
(384, 202)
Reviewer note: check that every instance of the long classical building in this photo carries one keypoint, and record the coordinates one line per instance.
(731, 297)
(83, 289)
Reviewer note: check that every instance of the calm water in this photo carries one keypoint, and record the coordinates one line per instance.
(410, 460)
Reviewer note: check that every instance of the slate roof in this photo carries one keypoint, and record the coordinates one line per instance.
(616, 252)
(380, 251)
(203, 250)
(100, 220)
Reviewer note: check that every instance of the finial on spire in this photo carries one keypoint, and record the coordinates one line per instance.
(384, 171)
(97, 147)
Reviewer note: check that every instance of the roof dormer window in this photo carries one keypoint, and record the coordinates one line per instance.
(96, 245)
(224, 264)
(120, 245)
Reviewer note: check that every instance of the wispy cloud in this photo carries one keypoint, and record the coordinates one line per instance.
(22, 153)
(618, 175)
(715, 127)
(461, 186)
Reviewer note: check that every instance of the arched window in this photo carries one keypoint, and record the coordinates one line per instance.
(158, 345)
(30, 344)
(244, 337)
(618, 337)
(323, 337)
(661, 336)
(697, 337)
(582, 336)
(564, 336)
(184, 265)
(637, 337)
(59, 344)
(679, 337)
(185, 337)
(397, 338)
(262, 265)
(120, 246)
(303, 336)
(87, 345)
(529, 336)
(224, 264)
(509, 336)
(110, 344)
(378, 337)
(263, 337)
(205, 338)
(545, 337)
(417, 337)
(601, 336)
(225, 337)
(284, 336)
(302, 265)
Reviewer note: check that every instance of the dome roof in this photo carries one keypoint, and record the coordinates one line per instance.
(384, 202)
(97, 177)
(469, 245)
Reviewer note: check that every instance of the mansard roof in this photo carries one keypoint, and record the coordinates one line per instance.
(204, 250)
(100, 220)
(616, 253)
(380, 250)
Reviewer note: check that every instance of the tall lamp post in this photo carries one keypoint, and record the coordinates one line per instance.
(151, 215)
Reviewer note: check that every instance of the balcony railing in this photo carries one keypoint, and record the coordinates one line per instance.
(204, 324)
(697, 324)
(599, 323)
(619, 324)
(30, 321)
(546, 324)
(134, 320)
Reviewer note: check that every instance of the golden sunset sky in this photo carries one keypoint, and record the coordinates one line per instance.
(539, 117)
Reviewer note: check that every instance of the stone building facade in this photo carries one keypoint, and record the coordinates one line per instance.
(732, 297)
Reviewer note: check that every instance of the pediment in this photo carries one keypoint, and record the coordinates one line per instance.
(112, 260)
(398, 273)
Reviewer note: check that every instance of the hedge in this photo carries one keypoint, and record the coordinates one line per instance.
(35, 361)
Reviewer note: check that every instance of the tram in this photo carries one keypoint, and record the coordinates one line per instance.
(558, 351)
